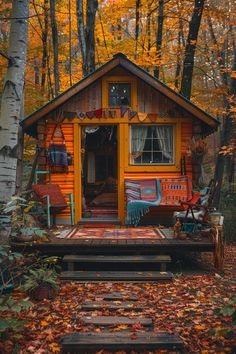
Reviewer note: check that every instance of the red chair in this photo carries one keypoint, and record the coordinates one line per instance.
(54, 200)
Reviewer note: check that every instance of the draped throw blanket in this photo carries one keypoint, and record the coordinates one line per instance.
(57, 158)
(141, 195)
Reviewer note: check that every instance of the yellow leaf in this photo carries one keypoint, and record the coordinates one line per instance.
(199, 327)
(120, 327)
(54, 347)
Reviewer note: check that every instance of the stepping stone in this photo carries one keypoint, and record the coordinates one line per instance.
(91, 342)
(117, 296)
(115, 321)
(72, 259)
(116, 276)
(111, 305)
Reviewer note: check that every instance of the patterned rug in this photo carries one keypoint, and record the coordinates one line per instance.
(112, 233)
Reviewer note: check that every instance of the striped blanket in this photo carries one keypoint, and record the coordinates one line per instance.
(141, 195)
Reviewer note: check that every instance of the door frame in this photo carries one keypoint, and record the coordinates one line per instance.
(77, 166)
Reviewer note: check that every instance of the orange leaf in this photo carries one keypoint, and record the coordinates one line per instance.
(54, 347)
(44, 323)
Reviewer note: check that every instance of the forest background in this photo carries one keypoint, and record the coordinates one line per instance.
(155, 35)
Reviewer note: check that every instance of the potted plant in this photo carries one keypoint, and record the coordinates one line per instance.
(41, 283)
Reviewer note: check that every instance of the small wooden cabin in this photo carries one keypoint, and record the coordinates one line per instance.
(118, 123)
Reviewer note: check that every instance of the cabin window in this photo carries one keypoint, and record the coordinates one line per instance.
(152, 144)
(119, 94)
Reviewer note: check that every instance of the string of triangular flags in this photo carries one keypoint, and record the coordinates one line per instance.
(123, 112)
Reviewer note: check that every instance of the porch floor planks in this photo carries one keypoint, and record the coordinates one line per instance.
(91, 342)
(58, 246)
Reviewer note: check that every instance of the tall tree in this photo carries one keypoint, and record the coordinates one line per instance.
(86, 33)
(12, 98)
(188, 65)
(55, 47)
(159, 36)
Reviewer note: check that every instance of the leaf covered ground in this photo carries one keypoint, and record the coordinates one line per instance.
(187, 306)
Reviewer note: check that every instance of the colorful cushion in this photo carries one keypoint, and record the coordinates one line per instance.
(57, 199)
(175, 190)
(148, 190)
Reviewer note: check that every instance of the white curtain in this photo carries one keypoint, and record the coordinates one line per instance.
(165, 139)
(139, 135)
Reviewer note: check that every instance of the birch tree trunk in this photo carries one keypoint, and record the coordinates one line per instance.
(12, 98)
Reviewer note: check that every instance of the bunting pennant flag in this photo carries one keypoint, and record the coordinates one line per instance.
(123, 110)
(69, 115)
(98, 113)
(132, 114)
(90, 114)
(152, 117)
(81, 115)
(142, 116)
(112, 113)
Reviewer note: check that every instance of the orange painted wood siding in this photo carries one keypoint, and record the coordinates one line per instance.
(64, 180)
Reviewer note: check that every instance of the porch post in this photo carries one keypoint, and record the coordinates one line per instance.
(77, 172)
(121, 164)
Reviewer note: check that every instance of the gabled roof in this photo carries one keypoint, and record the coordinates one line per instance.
(120, 60)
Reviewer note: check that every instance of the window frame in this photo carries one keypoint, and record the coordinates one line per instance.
(173, 163)
(119, 80)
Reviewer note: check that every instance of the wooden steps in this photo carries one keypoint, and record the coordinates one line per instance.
(71, 260)
(111, 306)
(113, 321)
(117, 296)
(125, 336)
(116, 276)
(91, 342)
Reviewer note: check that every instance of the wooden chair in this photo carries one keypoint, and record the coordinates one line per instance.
(51, 196)
(197, 209)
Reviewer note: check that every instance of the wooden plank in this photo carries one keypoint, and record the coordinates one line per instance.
(113, 275)
(115, 321)
(117, 259)
(112, 306)
(117, 296)
(93, 342)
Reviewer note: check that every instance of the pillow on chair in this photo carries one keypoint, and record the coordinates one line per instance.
(57, 199)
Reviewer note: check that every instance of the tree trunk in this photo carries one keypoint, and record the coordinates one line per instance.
(86, 34)
(70, 43)
(229, 99)
(55, 47)
(12, 98)
(137, 19)
(159, 37)
(44, 40)
(188, 65)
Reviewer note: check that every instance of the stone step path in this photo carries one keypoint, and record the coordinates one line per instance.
(122, 338)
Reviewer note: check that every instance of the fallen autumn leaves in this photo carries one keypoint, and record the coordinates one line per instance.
(185, 306)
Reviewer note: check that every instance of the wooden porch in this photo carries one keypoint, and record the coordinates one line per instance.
(116, 245)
